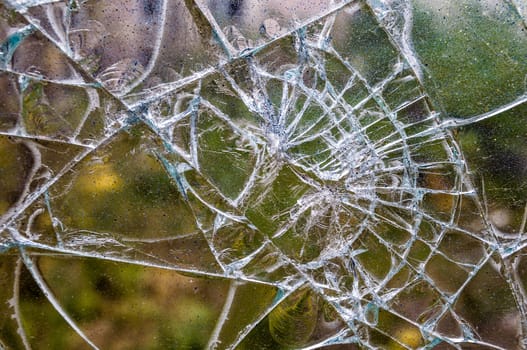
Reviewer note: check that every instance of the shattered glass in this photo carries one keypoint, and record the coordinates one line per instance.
(248, 174)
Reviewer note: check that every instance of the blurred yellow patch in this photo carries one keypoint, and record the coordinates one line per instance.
(100, 178)
(410, 336)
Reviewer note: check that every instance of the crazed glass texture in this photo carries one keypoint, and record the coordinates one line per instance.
(249, 174)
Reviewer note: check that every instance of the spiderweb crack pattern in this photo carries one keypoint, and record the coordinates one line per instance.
(300, 160)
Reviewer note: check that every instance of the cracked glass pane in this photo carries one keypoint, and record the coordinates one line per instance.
(242, 174)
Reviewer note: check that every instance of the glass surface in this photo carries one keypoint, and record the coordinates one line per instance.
(263, 174)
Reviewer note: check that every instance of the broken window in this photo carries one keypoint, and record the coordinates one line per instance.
(267, 174)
